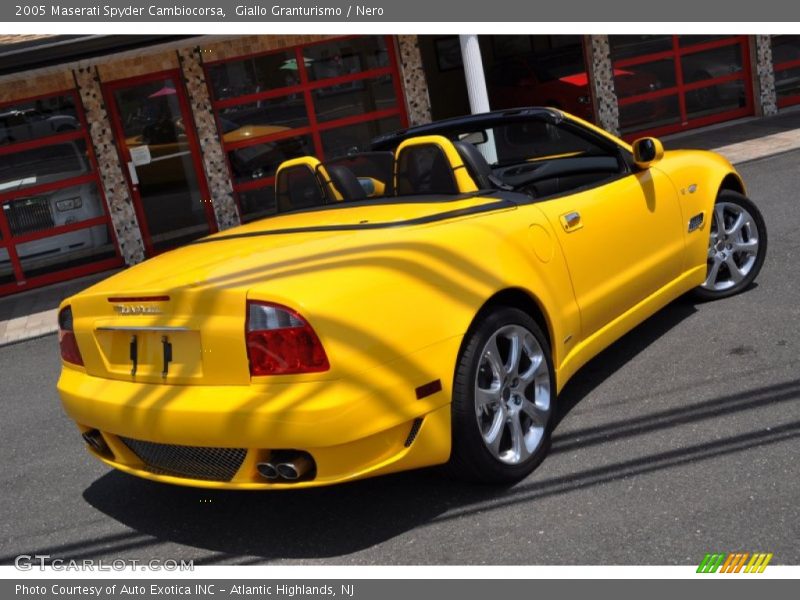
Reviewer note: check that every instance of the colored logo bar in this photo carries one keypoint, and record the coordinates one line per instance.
(735, 562)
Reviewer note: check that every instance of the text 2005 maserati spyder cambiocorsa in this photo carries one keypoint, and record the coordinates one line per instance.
(420, 304)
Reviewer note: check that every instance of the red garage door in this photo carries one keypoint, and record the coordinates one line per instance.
(668, 83)
(54, 223)
(786, 59)
(322, 99)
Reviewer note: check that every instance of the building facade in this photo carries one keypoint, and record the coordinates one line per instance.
(115, 149)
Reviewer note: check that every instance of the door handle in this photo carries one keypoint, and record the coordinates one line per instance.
(571, 221)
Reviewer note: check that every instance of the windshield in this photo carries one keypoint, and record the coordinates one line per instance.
(528, 141)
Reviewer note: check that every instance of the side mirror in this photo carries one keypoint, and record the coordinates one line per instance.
(647, 151)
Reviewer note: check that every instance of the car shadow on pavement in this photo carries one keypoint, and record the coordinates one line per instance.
(326, 522)
(312, 523)
(621, 352)
(252, 528)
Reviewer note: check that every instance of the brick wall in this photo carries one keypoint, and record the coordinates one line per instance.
(254, 44)
(17, 39)
(138, 65)
(25, 87)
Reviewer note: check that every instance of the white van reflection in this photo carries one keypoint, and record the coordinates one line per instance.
(47, 210)
(20, 125)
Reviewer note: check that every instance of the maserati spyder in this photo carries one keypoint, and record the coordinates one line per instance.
(419, 304)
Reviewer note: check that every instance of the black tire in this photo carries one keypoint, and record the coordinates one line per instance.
(471, 458)
(705, 292)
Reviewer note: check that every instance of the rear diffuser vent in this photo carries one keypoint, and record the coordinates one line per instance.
(192, 462)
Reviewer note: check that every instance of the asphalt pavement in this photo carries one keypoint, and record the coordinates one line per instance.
(682, 438)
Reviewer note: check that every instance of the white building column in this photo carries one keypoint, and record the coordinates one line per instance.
(473, 72)
(476, 88)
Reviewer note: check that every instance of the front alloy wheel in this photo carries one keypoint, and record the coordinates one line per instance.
(503, 396)
(736, 247)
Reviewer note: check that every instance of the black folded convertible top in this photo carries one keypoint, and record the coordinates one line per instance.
(455, 125)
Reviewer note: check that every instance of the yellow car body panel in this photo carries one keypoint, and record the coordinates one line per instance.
(391, 290)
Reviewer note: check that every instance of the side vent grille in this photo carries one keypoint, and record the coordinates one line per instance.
(412, 435)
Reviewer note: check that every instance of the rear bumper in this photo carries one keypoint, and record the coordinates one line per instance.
(352, 428)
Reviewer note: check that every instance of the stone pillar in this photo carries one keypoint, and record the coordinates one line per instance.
(764, 76)
(120, 204)
(216, 169)
(601, 80)
(415, 85)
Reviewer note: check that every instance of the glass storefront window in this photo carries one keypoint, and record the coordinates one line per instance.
(656, 113)
(25, 121)
(253, 75)
(6, 269)
(686, 41)
(66, 251)
(153, 119)
(536, 70)
(52, 209)
(345, 57)
(264, 117)
(668, 83)
(342, 93)
(786, 61)
(258, 203)
(344, 140)
(787, 84)
(629, 46)
(715, 98)
(710, 64)
(644, 78)
(354, 98)
(262, 160)
(64, 206)
(785, 48)
(45, 164)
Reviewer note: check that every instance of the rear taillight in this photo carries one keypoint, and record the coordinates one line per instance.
(281, 342)
(66, 338)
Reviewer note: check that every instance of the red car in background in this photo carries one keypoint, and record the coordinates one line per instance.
(559, 80)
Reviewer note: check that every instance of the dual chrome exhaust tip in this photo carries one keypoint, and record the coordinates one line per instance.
(94, 439)
(286, 465)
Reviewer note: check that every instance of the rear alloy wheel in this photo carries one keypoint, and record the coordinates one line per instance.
(502, 399)
(737, 246)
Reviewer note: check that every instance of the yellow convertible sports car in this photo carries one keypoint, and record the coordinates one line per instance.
(419, 304)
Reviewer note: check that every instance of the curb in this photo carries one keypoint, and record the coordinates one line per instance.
(28, 339)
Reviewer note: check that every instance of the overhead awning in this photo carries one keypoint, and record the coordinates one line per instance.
(36, 53)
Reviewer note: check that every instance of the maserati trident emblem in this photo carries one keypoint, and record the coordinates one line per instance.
(691, 189)
(136, 309)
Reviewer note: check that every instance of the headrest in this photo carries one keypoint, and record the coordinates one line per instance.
(297, 185)
(346, 182)
(430, 165)
(476, 163)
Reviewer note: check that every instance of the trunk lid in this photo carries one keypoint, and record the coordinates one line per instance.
(181, 316)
